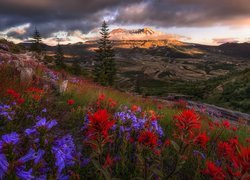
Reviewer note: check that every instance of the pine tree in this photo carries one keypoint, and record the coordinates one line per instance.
(76, 67)
(105, 70)
(59, 56)
(37, 42)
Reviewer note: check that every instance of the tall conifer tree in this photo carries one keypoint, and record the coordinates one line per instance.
(37, 42)
(105, 70)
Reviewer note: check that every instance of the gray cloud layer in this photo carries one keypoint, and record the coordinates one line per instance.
(54, 15)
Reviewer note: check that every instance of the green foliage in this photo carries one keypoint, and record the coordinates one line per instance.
(37, 42)
(105, 70)
(59, 58)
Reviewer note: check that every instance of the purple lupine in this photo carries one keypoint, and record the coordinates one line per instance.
(11, 138)
(196, 152)
(28, 157)
(6, 112)
(3, 165)
(44, 123)
(23, 174)
(64, 150)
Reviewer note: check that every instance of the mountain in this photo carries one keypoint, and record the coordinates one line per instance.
(236, 49)
(139, 34)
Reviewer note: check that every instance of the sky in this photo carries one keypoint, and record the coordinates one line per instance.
(199, 21)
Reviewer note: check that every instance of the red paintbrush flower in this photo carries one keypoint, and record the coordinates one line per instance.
(148, 138)
(71, 102)
(202, 139)
(134, 108)
(108, 162)
(214, 171)
(226, 124)
(99, 123)
(187, 121)
(244, 159)
(101, 97)
(20, 101)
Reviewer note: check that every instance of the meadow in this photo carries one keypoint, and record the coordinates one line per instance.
(95, 132)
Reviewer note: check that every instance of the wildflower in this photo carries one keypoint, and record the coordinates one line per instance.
(134, 108)
(101, 97)
(12, 138)
(214, 171)
(6, 112)
(202, 140)
(22, 174)
(99, 123)
(167, 142)
(64, 150)
(187, 121)
(203, 156)
(13, 93)
(43, 123)
(108, 162)
(244, 158)
(71, 102)
(20, 101)
(29, 156)
(3, 165)
(148, 138)
(226, 124)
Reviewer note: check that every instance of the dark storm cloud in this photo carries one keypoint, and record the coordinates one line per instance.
(187, 13)
(54, 15)
(68, 15)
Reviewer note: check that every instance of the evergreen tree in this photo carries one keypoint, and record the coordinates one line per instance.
(105, 70)
(76, 67)
(37, 42)
(59, 56)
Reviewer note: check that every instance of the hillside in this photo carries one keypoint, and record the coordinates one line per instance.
(167, 66)
(54, 125)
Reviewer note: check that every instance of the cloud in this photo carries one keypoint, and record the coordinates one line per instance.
(51, 16)
(187, 13)
(225, 40)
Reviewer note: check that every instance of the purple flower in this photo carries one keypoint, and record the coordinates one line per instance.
(38, 156)
(29, 156)
(43, 123)
(22, 174)
(44, 110)
(30, 131)
(6, 112)
(199, 153)
(11, 138)
(64, 150)
(3, 165)
(85, 162)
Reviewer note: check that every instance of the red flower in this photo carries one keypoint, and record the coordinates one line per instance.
(226, 124)
(100, 123)
(134, 108)
(187, 121)
(244, 158)
(13, 93)
(214, 171)
(101, 97)
(71, 102)
(20, 101)
(108, 162)
(167, 142)
(148, 138)
(202, 139)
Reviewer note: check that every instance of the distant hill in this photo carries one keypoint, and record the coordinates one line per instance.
(236, 49)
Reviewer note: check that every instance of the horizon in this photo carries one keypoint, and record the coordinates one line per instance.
(207, 22)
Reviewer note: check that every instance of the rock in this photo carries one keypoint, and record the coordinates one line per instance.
(4, 47)
(26, 75)
(63, 86)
